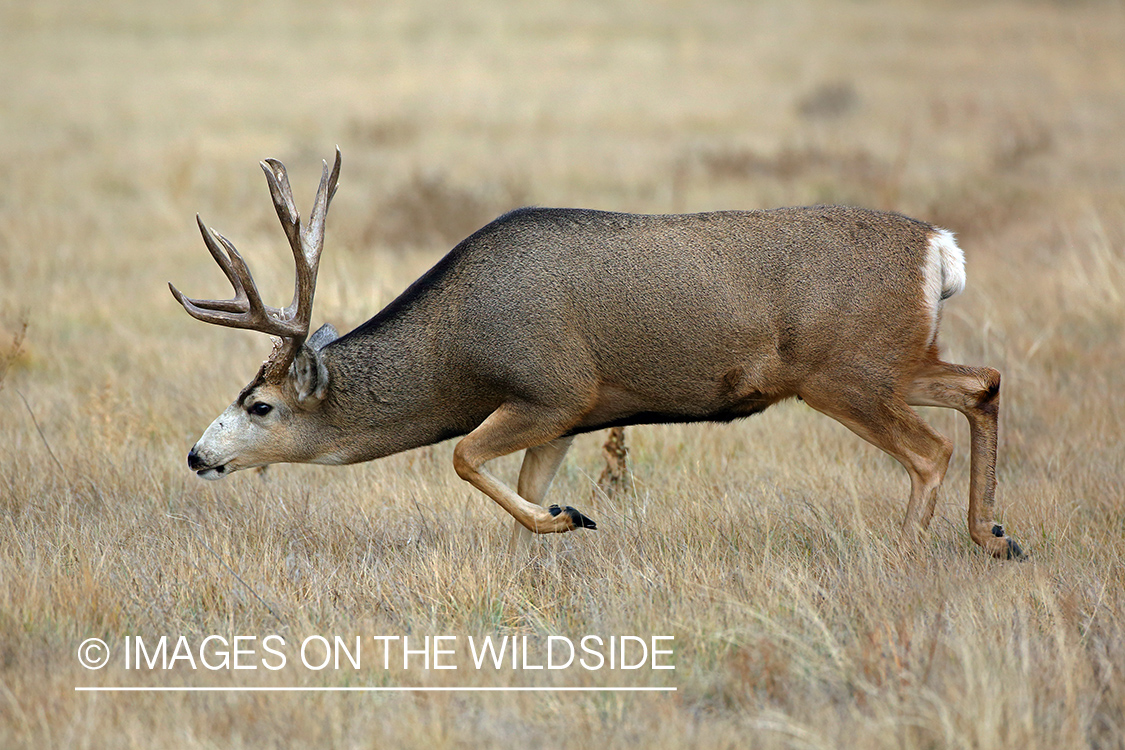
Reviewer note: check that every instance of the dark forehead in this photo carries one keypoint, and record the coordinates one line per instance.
(252, 386)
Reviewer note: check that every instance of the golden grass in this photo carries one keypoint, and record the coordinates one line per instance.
(767, 548)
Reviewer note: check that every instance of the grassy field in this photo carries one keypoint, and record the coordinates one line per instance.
(767, 548)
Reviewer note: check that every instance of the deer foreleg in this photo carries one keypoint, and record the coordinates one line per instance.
(540, 464)
(510, 428)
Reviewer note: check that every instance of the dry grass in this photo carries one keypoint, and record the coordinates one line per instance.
(767, 548)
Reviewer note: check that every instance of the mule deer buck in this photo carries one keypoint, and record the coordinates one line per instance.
(548, 323)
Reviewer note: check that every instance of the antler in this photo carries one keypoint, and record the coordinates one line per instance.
(246, 310)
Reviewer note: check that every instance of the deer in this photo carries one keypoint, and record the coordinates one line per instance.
(552, 322)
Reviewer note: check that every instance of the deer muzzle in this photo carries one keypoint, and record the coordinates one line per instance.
(200, 466)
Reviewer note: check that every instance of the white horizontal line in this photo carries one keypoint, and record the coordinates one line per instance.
(538, 689)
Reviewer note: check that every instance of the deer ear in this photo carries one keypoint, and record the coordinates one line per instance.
(309, 376)
(324, 336)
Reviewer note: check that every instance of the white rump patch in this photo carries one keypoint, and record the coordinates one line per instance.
(943, 274)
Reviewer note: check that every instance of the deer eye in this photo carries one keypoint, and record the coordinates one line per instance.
(260, 409)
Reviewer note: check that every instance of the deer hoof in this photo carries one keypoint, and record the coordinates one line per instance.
(1009, 549)
(577, 520)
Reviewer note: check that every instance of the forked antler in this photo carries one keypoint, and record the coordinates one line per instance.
(246, 309)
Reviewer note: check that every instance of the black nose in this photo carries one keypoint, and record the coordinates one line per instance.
(194, 462)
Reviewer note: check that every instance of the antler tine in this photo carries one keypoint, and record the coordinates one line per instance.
(329, 181)
(238, 304)
(278, 180)
(282, 196)
(312, 238)
(267, 319)
(246, 309)
(306, 243)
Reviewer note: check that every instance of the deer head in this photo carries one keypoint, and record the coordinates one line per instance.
(268, 421)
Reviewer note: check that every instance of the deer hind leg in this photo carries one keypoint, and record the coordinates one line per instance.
(540, 464)
(512, 427)
(897, 429)
(975, 392)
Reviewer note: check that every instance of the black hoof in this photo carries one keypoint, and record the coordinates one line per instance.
(580, 521)
(1014, 551)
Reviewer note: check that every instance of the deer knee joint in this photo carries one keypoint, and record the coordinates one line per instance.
(464, 466)
(990, 389)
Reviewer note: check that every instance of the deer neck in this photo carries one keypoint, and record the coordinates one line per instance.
(391, 391)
